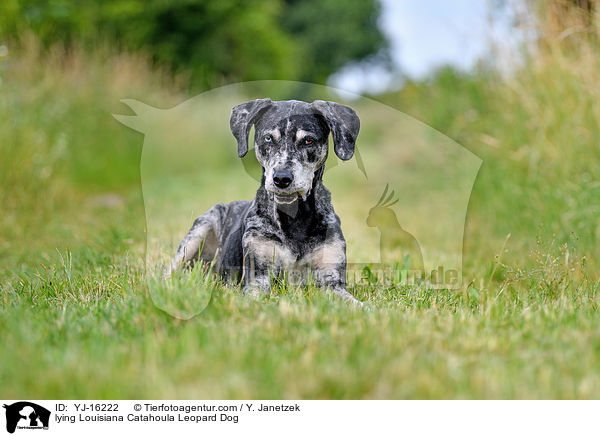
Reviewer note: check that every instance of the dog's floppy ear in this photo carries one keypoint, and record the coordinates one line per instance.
(343, 123)
(243, 116)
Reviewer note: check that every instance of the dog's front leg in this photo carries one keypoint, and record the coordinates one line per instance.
(257, 278)
(264, 258)
(328, 265)
(333, 278)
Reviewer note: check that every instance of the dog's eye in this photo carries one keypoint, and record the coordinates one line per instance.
(268, 138)
(308, 141)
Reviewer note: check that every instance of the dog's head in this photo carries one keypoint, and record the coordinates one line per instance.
(291, 140)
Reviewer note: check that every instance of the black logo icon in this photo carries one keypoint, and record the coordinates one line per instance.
(26, 415)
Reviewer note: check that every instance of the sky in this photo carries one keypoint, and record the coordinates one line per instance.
(425, 35)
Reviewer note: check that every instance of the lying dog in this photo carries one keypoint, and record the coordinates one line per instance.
(291, 224)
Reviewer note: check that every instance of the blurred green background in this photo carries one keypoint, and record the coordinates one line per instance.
(72, 225)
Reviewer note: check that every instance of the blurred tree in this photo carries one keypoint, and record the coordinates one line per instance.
(334, 33)
(218, 41)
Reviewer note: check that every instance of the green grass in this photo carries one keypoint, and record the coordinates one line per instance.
(94, 333)
(77, 320)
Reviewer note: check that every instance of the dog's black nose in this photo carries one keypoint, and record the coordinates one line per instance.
(282, 178)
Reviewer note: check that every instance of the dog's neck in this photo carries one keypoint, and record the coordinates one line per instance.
(296, 219)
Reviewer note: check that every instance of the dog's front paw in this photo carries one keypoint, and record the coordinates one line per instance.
(253, 291)
(346, 296)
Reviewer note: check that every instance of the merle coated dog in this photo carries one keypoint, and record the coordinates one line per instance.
(290, 225)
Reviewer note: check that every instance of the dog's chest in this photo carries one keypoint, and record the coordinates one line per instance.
(312, 254)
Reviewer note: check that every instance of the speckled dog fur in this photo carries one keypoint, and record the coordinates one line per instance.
(290, 225)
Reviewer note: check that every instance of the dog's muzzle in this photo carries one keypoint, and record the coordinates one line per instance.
(282, 179)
